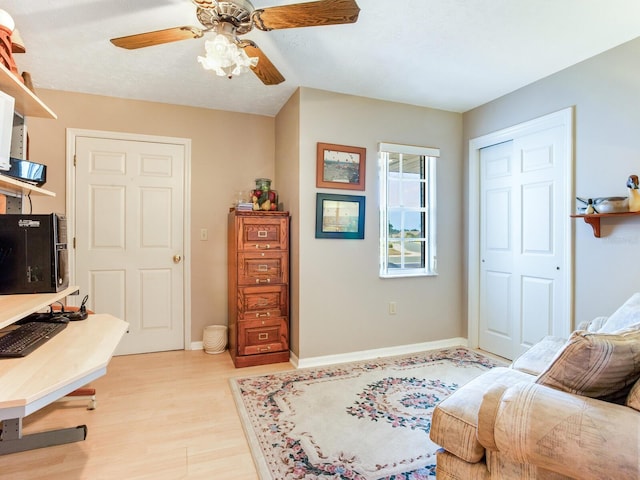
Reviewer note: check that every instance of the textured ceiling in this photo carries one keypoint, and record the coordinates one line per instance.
(447, 54)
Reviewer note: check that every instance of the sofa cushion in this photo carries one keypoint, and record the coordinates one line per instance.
(633, 400)
(454, 423)
(450, 467)
(572, 435)
(535, 360)
(502, 467)
(627, 316)
(596, 365)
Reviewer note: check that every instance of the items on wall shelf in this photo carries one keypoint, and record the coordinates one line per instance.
(26, 104)
(594, 209)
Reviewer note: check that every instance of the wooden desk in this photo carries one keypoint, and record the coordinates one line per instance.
(15, 307)
(71, 359)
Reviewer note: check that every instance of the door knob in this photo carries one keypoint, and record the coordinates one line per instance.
(177, 258)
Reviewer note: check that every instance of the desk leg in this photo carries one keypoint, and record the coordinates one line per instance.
(12, 440)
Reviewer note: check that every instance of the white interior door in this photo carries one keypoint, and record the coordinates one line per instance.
(497, 290)
(129, 237)
(523, 289)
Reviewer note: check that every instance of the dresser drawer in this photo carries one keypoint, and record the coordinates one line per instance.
(263, 268)
(263, 302)
(262, 234)
(263, 336)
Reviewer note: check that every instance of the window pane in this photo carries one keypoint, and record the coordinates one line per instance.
(412, 194)
(395, 254)
(414, 254)
(395, 224)
(393, 193)
(394, 164)
(412, 166)
(414, 224)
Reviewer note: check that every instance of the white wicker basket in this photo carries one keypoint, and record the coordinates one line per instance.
(214, 339)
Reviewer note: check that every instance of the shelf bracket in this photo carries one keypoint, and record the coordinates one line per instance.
(595, 224)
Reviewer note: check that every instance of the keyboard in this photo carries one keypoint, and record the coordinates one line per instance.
(27, 337)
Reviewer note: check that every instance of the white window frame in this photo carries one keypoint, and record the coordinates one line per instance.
(429, 209)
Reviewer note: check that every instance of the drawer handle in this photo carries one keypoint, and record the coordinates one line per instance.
(263, 247)
(258, 315)
(263, 336)
(263, 268)
(262, 234)
(264, 349)
(267, 280)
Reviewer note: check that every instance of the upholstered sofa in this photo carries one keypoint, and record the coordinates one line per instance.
(566, 409)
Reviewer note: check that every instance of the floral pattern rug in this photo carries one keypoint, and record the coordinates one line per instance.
(366, 420)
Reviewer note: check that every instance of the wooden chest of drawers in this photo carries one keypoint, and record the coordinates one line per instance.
(258, 300)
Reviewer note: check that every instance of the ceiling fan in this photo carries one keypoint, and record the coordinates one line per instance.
(233, 18)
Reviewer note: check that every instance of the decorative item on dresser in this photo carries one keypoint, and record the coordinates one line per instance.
(258, 297)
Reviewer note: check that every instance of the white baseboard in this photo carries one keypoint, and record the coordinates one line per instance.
(365, 354)
(377, 353)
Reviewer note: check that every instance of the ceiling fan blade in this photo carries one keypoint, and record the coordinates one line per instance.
(264, 70)
(157, 37)
(309, 14)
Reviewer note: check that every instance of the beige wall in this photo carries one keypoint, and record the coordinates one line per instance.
(605, 92)
(288, 182)
(339, 304)
(229, 150)
(342, 302)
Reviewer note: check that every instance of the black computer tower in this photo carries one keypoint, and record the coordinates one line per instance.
(33, 253)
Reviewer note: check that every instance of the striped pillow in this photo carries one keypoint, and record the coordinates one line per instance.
(596, 365)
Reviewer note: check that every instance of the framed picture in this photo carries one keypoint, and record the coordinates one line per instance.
(340, 166)
(339, 216)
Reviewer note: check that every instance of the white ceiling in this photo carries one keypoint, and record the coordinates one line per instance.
(448, 54)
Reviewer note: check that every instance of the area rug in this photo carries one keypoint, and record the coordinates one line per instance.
(366, 420)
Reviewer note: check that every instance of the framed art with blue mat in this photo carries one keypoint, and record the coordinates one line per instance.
(340, 216)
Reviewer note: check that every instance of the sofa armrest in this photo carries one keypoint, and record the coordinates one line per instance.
(575, 436)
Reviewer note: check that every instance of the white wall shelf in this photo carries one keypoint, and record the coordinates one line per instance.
(11, 185)
(27, 103)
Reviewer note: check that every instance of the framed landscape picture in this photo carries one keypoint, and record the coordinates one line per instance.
(339, 216)
(340, 166)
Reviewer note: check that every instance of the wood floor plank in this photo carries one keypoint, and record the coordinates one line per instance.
(168, 415)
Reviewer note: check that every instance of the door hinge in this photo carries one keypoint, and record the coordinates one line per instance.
(74, 243)
(74, 159)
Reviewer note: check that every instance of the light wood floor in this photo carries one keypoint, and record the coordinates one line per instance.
(160, 416)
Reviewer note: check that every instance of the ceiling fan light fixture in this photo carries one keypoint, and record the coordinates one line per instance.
(226, 54)
(225, 57)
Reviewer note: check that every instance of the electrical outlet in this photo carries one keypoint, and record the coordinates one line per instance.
(392, 308)
(204, 234)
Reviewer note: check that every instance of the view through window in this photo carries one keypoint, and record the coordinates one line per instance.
(407, 210)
